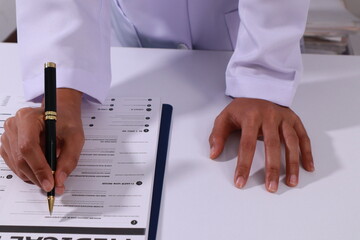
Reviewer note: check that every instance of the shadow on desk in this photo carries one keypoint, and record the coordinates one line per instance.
(324, 106)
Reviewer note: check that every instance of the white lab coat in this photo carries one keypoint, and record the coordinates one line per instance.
(75, 34)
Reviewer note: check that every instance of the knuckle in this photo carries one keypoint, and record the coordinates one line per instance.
(73, 163)
(243, 169)
(39, 171)
(23, 112)
(296, 118)
(293, 165)
(305, 139)
(80, 136)
(292, 140)
(3, 153)
(252, 115)
(272, 110)
(251, 121)
(272, 142)
(272, 171)
(247, 144)
(216, 139)
(271, 120)
(306, 153)
(77, 136)
(3, 138)
(9, 123)
(20, 162)
(26, 148)
(18, 157)
(70, 165)
(219, 119)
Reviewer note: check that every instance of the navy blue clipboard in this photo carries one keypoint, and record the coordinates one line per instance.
(163, 145)
(164, 134)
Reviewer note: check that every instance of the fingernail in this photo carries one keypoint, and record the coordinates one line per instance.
(273, 186)
(46, 185)
(240, 182)
(62, 177)
(293, 180)
(312, 167)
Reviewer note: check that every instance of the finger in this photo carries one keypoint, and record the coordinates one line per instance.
(17, 161)
(68, 158)
(22, 168)
(26, 171)
(59, 190)
(3, 151)
(246, 154)
(272, 156)
(292, 154)
(5, 146)
(34, 157)
(30, 150)
(220, 132)
(9, 160)
(305, 147)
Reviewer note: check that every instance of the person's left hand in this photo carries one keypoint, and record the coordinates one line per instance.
(276, 124)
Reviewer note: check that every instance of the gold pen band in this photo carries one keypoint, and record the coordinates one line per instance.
(49, 64)
(50, 118)
(50, 115)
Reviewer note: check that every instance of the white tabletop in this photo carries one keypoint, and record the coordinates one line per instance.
(199, 199)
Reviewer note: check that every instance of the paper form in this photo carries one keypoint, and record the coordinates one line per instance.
(110, 191)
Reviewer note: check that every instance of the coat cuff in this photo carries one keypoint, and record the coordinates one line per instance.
(94, 89)
(279, 92)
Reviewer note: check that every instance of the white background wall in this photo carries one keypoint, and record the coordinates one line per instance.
(7, 18)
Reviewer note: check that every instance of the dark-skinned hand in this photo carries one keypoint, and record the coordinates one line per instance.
(276, 125)
(22, 143)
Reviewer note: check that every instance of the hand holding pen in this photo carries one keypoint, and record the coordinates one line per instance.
(22, 143)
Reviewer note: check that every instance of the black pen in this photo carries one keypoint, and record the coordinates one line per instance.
(50, 124)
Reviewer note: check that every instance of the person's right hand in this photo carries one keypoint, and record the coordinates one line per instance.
(22, 143)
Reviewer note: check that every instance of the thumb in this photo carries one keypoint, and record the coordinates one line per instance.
(67, 161)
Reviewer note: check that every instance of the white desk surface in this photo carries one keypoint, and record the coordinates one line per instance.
(199, 199)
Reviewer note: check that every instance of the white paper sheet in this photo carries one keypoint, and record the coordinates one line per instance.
(110, 189)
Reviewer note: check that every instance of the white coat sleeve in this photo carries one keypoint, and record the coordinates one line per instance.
(266, 63)
(75, 34)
